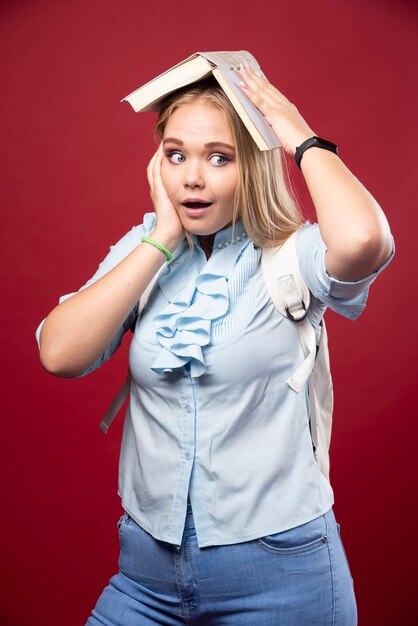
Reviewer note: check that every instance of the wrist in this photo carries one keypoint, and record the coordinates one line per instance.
(152, 242)
(168, 240)
(300, 141)
(313, 142)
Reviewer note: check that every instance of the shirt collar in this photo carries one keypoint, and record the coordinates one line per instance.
(227, 236)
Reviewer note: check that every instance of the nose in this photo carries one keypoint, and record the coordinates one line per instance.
(193, 175)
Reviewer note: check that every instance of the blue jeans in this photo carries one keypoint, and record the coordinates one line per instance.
(299, 577)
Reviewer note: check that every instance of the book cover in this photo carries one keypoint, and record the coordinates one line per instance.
(223, 66)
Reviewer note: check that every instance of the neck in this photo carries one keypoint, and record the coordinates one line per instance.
(206, 243)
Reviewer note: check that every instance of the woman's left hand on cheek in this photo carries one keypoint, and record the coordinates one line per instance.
(286, 121)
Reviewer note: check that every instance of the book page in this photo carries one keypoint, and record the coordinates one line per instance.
(231, 60)
(227, 65)
(149, 96)
(255, 115)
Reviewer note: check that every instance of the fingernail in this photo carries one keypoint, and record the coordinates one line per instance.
(243, 85)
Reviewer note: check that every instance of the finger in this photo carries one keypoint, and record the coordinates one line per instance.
(158, 191)
(246, 71)
(258, 96)
(151, 165)
(253, 85)
(149, 172)
(151, 162)
(261, 85)
(255, 74)
(156, 169)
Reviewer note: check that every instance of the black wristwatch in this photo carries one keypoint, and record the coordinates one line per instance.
(314, 142)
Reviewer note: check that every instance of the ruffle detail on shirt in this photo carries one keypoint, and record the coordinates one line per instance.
(183, 329)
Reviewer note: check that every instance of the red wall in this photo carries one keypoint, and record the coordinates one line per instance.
(73, 181)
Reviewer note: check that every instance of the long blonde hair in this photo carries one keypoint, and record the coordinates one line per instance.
(264, 199)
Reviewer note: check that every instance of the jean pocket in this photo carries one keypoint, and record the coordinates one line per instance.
(298, 540)
(121, 526)
(343, 550)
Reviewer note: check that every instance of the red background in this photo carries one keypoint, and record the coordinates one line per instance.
(73, 181)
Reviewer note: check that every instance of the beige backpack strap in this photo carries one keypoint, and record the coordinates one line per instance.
(124, 391)
(117, 403)
(291, 297)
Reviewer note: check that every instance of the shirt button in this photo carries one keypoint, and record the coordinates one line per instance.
(219, 245)
(187, 454)
(188, 408)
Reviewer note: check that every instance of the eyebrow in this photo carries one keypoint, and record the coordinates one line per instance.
(211, 144)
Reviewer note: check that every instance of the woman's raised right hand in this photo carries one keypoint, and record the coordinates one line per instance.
(169, 229)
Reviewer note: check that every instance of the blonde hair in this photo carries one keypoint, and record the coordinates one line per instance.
(264, 199)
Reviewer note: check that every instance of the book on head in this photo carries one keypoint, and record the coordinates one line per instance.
(224, 67)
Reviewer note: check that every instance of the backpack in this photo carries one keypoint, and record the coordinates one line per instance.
(292, 298)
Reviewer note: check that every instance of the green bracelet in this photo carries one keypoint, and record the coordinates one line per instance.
(160, 247)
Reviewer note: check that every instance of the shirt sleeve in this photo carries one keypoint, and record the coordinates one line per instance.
(345, 297)
(117, 253)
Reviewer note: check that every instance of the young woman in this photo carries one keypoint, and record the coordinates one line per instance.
(228, 519)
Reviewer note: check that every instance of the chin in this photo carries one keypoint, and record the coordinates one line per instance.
(200, 229)
(202, 232)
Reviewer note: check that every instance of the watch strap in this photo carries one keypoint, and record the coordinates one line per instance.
(313, 142)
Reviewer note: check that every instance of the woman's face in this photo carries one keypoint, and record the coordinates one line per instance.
(199, 168)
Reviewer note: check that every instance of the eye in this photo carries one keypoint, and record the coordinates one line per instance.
(218, 159)
(175, 157)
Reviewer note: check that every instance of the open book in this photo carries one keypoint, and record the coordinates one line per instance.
(223, 66)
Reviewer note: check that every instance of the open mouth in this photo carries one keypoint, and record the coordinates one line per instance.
(196, 204)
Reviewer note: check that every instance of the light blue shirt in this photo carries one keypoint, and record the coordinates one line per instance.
(210, 412)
